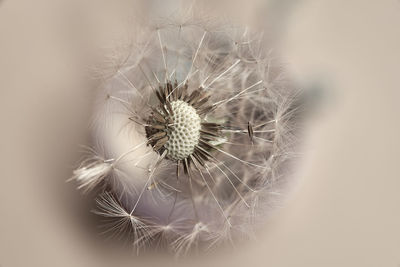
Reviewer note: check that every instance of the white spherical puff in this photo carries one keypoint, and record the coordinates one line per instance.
(194, 133)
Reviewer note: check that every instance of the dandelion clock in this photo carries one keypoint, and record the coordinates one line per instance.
(193, 136)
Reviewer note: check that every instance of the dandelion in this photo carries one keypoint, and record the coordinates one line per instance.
(200, 120)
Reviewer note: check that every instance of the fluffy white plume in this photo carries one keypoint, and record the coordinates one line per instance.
(92, 172)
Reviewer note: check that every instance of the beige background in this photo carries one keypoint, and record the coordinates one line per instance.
(345, 210)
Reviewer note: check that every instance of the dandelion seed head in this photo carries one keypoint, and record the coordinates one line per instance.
(200, 121)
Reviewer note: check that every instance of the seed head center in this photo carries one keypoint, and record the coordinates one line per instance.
(185, 133)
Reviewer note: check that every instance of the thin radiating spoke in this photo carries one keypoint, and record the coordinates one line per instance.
(222, 74)
(232, 156)
(246, 131)
(159, 160)
(172, 208)
(234, 174)
(130, 83)
(230, 181)
(219, 103)
(147, 78)
(238, 159)
(195, 55)
(264, 123)
(212, 193)
(182, 83)
(191, 188)
(129, 151)
(163, 55)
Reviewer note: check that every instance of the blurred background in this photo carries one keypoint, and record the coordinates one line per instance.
(345, 210)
